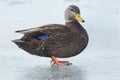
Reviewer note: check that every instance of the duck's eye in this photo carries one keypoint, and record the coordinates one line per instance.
(72, 10)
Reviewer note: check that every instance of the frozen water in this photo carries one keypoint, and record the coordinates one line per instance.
(99, 61)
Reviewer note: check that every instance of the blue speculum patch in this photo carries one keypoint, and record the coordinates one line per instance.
(43, 37)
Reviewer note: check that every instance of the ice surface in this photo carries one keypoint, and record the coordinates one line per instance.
(99, 61)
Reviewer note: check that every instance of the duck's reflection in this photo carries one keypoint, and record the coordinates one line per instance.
(66, 73)
(55, 73)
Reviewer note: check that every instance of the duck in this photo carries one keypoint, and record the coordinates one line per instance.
(56, 40)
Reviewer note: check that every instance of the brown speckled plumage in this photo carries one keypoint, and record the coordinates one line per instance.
(63, 40)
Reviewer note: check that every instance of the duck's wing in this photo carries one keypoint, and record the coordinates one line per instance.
(45, 31)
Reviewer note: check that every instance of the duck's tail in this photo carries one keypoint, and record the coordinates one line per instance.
(31, 48)
(20, 43)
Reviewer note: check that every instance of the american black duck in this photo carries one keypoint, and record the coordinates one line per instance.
(56, 40)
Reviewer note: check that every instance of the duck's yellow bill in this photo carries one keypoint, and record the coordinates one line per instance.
(79, 18)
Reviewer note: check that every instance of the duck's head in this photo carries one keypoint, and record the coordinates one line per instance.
(72, 13)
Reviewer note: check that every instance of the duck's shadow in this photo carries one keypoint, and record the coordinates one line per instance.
(54, 73)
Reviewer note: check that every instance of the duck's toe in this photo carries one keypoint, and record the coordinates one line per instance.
(60, 63)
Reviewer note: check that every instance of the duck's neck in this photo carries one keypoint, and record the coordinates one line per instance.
(74, 26)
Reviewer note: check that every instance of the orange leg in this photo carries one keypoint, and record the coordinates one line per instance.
(60, 63)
